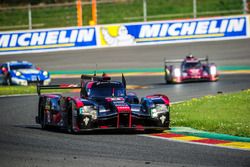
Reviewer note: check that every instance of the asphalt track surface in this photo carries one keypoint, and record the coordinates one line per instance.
(23, 143)
(235, 52)
(179, 92)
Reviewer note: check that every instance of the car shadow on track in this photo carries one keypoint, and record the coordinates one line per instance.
(91, 132)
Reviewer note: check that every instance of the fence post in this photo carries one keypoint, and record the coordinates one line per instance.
(30, 17)
(194, 8)
(245, 6)
(79, 12)
(94, 12)
(145, 10)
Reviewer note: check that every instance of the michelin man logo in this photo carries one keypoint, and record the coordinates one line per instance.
(122, 38)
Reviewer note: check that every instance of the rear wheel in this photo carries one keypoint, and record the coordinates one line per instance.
(43, 121)
(8, 81)
(70, 127)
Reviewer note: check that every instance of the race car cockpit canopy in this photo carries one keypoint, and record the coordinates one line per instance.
(105, 89)
(102, 86)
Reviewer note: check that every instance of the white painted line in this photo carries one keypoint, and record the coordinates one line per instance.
(18, 95)
(196, 143)
(32, 94)
(177, 102)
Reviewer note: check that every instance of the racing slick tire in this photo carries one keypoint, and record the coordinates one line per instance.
(166, 81)
(70, 128)
(169, 79)
(7, 81)
(43, 122)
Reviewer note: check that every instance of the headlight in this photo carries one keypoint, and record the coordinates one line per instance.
(177, 72)
(89, 110)
(45, 73)
(93, 113)
(18, 73)
(212, 70)
(160, 108)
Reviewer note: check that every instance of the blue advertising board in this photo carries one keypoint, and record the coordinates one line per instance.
(218, 28)
(47, 39)
(178, 30)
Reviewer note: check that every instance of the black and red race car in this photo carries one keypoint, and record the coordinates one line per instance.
(103, 104)
(190, 69)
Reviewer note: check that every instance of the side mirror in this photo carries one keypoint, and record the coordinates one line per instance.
(132, 98)
(83, 93)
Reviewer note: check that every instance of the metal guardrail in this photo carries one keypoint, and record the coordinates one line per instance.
(15, 27)
(186, 14)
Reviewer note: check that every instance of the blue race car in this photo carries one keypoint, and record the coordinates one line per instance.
(22, 73)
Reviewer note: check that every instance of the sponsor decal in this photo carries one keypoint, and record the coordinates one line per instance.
(117, 35)
(130, 34)
(86, 121)
(47, 39)
(162, 118)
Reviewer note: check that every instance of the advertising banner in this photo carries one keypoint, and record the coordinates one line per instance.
(218, 28)
(174, 31)
(47, 39)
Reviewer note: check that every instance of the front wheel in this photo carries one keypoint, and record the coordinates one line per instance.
(167, 81)
(8, 81)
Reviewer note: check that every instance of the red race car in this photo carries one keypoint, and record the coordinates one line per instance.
(190, 69)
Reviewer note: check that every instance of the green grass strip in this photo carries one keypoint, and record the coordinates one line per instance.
(223, 113)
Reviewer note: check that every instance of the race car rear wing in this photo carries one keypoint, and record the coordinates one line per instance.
(173, 61)
(84, 77)
(61, 86)
(181, 60)
(103, 78)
